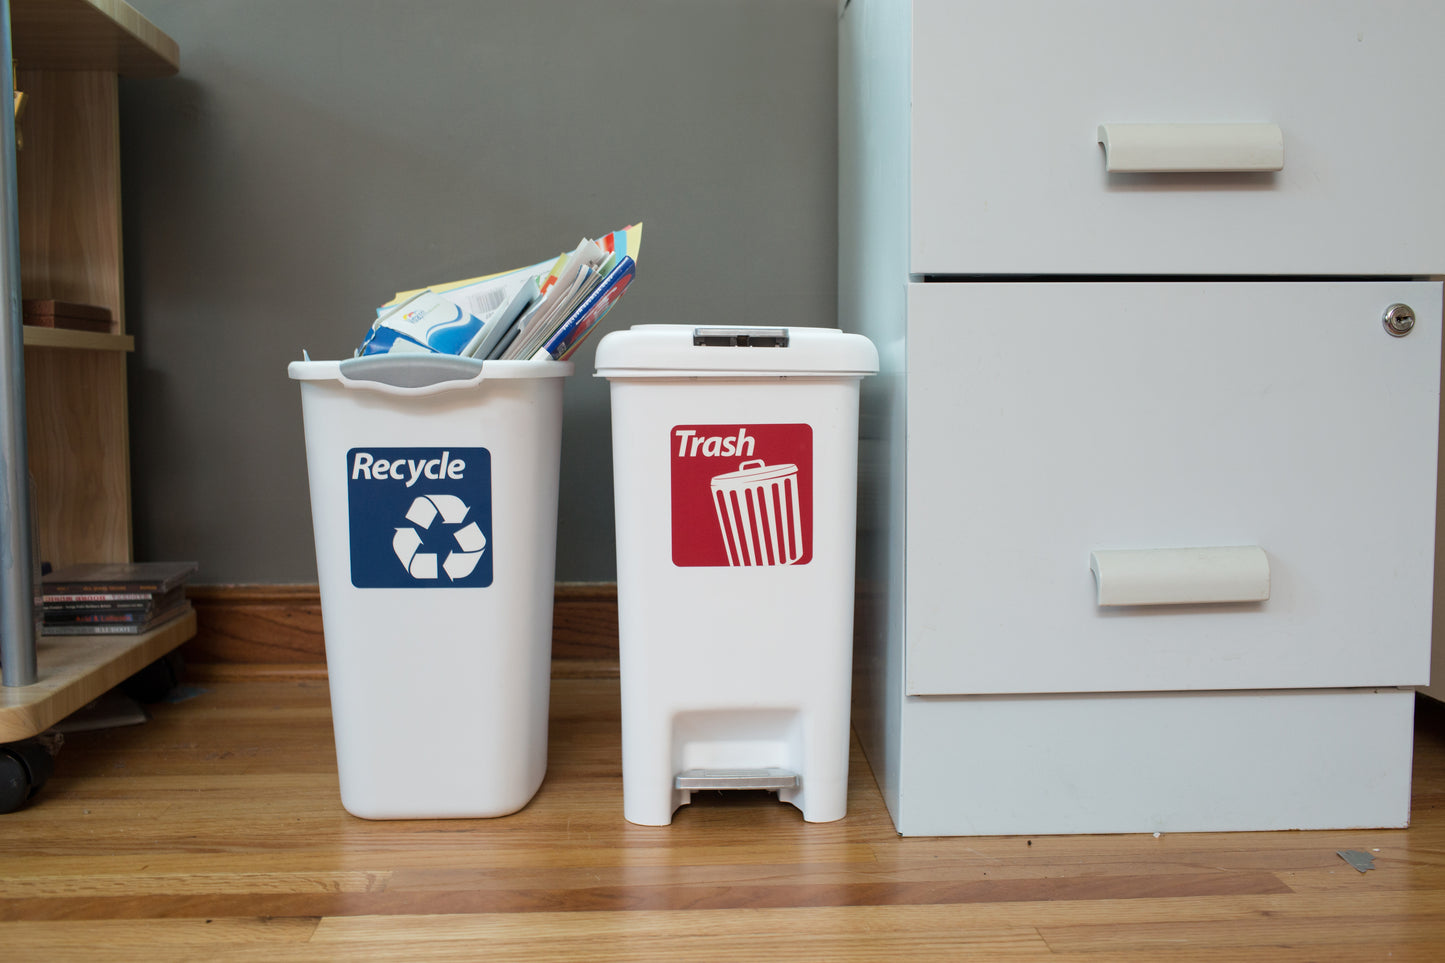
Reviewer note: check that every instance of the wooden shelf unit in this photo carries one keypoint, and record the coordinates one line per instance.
(68, 57)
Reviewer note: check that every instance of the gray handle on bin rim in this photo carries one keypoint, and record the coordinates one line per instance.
(421, 374)
(411, 374)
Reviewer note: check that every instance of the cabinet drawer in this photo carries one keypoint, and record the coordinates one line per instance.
(1051, 420)
(1008, 177)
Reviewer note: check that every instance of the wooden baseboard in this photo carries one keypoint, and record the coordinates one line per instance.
(281, 624)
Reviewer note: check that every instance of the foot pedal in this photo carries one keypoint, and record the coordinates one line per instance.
(736, 779)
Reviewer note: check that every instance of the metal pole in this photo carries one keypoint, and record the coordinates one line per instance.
(17, 573)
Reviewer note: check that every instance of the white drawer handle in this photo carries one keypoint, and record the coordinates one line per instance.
(1178, 576)
(1181, 148)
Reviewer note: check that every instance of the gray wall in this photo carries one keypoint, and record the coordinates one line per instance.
(315, 156)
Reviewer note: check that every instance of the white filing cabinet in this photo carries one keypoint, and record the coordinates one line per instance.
(1148, 492)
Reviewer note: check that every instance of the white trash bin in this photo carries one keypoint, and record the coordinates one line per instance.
(434, 503)
(735, 457)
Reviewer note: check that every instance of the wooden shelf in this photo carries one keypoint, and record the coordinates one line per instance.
(86, 340)
(107, 35)
(68, 55)
(75, 669)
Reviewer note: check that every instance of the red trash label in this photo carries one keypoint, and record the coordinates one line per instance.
(742, 495)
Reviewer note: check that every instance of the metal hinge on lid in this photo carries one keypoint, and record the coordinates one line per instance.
(740, 337)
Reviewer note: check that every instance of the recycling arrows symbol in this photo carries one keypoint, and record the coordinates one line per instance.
(423, 512)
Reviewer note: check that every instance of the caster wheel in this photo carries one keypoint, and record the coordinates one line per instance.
(24, 768)
(155, 681)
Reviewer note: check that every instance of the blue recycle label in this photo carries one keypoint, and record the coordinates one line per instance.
(420, 517)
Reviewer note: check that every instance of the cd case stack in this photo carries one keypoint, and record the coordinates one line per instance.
(117, 598)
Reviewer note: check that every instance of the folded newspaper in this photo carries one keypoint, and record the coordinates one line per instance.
(537, 312)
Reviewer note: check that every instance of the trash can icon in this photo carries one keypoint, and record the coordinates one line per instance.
(735, 488)
(436, 609)
(758, 513)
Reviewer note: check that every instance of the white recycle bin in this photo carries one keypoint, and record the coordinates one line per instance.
(434, 503)
(735, 457)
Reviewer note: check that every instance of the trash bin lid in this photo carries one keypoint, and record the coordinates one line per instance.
(660, 350)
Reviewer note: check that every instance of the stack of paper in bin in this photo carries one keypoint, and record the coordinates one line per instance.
(537, 312)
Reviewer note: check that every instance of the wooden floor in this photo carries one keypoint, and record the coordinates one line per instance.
(215, 832)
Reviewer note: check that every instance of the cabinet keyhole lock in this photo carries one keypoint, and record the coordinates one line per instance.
(1399, 320)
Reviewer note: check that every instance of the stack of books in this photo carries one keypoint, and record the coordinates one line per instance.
(68, 314)
(114, 598)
